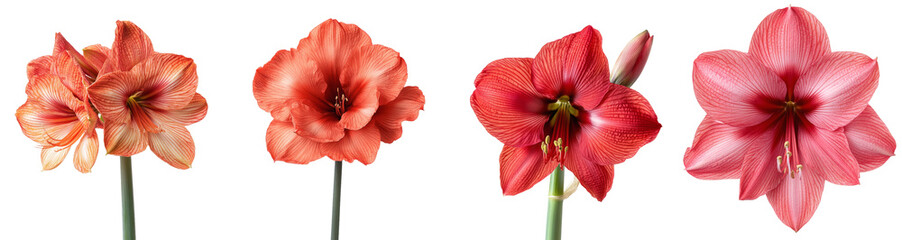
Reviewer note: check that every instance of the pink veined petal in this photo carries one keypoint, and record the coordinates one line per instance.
(330, 44)
(110, 93)
(70, 67)
(39, 66)
(759, 172)
(826, 153)
(788, 41)
(190, 114)
(735, 89)
(173, 145)
(522, 168)
(284, 145)
(315, 125)
(870, 140)
(575, 66)
(795, 199)
(360, 145)
(86, 151)
(507, 104)
(380, 65)
(51, 115)
(836, 89)
(168, 81)
(718, 150)
(124, 139)
(406, 107)
(614, 131)
(130, 47)
(289, 77)
(51, 157)
(96, 55)
(595, 178)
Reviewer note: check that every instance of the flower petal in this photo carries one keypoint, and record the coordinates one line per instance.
(86, 151)
(51, 115)
(870, 140)
(826, 153)
(110, 93)
(130, 47)
(363, 98)
(795, 199)
(718, 150)
(330, 44)
(315, 125)
(124, 139)
(836, 89)
(735, 89)
(96, 55)
(575, 66)
(285, 145)
(289, 77)
(190, 114)
(759, 173)
(380, 65)
(169, 81)
(173, 145)
(595, 178)
(39, 66)
(51, 157)
(361, 145)
(522, 168)
(617, 128)
(788, 41)
(507, 104)
(406, 107)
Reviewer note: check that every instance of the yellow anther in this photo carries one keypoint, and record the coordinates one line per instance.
(786, 145)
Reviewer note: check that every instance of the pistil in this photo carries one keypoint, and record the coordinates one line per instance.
(555, 146)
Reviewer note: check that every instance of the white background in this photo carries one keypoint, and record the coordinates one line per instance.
(440, 180)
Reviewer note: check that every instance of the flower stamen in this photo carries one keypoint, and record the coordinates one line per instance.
(340, 103)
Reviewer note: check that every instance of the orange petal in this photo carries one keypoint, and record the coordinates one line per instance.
(361, 145)
(406, 107)
(51, 157)
(130, 47)
(379, 65)
(364, 102)
(86, 151)
(289, 77)
(168, 81)
(51, 114)
(39, 66)
(190, 114)
(96, 55)
(316, 125)
(284, 145)
(173, 145)
(111, 92)
(124, 139)
(330, 44)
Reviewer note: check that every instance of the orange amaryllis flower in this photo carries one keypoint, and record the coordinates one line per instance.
(147, 99)
(336, 95)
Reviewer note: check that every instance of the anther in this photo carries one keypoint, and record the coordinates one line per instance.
(779, 163)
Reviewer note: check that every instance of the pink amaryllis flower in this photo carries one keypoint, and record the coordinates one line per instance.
(787, 115)
(560, 108)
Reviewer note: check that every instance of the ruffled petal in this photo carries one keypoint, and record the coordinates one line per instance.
(870, 140)
(522, 168)
(718, 150)
(71, 67)
(86, 151)
(759, 173)
(110, 93)
(836, 89)
(826, 153)
(51, 157)
(130, 47)
(507, 104)
(735, 89)
(39, 66)
(51, 115)
(284, 145)
(795, 199)
(595, 178)
(124, 139)
(575, 66)
(360, 145)
(379, 65)
(173, 145)
(406, 107)
(615, 131)
(788, 41)
(363, 98)
(330, 45)
(289, 77)
(169, 81)
(315, 125)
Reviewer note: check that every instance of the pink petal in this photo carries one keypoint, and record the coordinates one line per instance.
(51, 157)
(124, 139)
(284, 145)
(169, 81)
(575, 66)
(86, 151)
(173, 145)
(522, 168)
(788, 41)
(870, 140)
(826, 153)
(718, 150)
(330, 45)
(507, 104)
(380, 65)
(289, 77)
(759, 172)
(406, 107)
(130, 47)
(617, 128)
(361, 145)
(735, 89)
(795, 199)
(595, 178)
(837, 88)
(315, 125)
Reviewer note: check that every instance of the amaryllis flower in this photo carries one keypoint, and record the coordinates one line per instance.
(335, 95)
(146, 99)
(560, 108)
(787, 115)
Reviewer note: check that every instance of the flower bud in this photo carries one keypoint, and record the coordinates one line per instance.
(632, 60)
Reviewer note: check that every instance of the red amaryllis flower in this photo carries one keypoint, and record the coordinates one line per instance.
(335, 95)
(561, 109)
(787, 115)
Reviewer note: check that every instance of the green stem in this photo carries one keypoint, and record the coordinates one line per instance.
(555, 205)
(336, 199)
(128, 199)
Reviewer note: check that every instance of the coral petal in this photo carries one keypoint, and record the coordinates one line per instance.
(318, 126)
(173, 145)
(289, 77)
(379, 65)
(168, 81)
(130, 47)
(361, 145)
(285, 145)
(51, 157)
(86, 151)
(124, 139)
(330, 45)
(406, 107)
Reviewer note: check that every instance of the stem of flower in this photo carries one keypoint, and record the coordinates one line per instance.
(555, 205)
(336, 199)
(128, 199)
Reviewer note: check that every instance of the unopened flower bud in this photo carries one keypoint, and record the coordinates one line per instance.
(632, 60)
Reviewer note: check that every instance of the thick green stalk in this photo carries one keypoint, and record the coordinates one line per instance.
(555, 205)
(336, 199)
(128, 199)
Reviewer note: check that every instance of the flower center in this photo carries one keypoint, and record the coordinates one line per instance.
(139, 113)
(787, 163)
(341, 102)
(557, 143)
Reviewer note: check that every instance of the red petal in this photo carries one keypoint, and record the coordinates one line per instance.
(575, 66)
(406, 107)
(379, 65)
(735, 89)
(717, 150)
(836, 89)
(124, 139)
(759, 172)
(86, 151)
(870, 140)
(615, 131)
(284, 145)
(51, 157)
(130, 47)
(289, 77)
(330, 44)
(522, 168)
(595, 178)
(361, 145)
(315, 125)
(507, 104)
(795, 199)
(169, 81)
(364, 100)
(173, 145)
(39, 66)
(788, 41)
(826, 153)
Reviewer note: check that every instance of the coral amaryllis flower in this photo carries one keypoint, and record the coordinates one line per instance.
(561, 108)
(787, 115)
(147, 99)
(335, 95)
